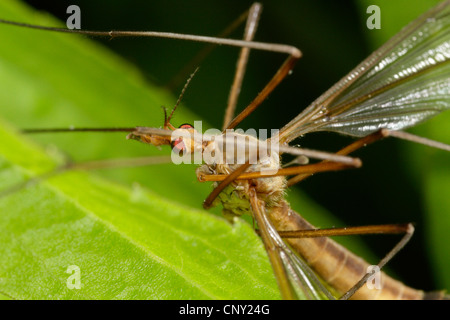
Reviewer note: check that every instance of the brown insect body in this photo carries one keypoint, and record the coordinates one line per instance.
(337, 266)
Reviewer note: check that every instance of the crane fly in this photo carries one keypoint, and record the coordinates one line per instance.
(331, 115)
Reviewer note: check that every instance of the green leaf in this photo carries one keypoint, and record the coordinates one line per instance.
(128, 243)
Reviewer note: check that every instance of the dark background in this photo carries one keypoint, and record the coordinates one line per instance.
(333, 40)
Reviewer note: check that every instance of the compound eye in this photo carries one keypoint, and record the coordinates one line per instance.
(178, 145)
(186, 126)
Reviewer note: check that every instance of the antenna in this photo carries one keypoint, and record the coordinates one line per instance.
(181, 95)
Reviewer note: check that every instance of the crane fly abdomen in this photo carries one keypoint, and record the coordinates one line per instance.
(336, 265)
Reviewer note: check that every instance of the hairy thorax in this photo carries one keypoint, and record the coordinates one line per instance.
(234, 198)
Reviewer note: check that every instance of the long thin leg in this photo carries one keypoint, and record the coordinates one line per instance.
(309, 169)
(271, 85)
(371, 138)
(294, 54)
(249, 33)
(302, 172)
(406, 229)
(203, 53)
(303, 169)
(335, 264)
(346, 231)
(413, 138)
(286, 289)
(225, 182)
(87, 166)
(239, 174)
(409, 232)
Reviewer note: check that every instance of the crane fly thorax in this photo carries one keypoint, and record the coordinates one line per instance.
(232, 150)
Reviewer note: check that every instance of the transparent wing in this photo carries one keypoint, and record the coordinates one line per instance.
(404, 82)
(304, 281)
